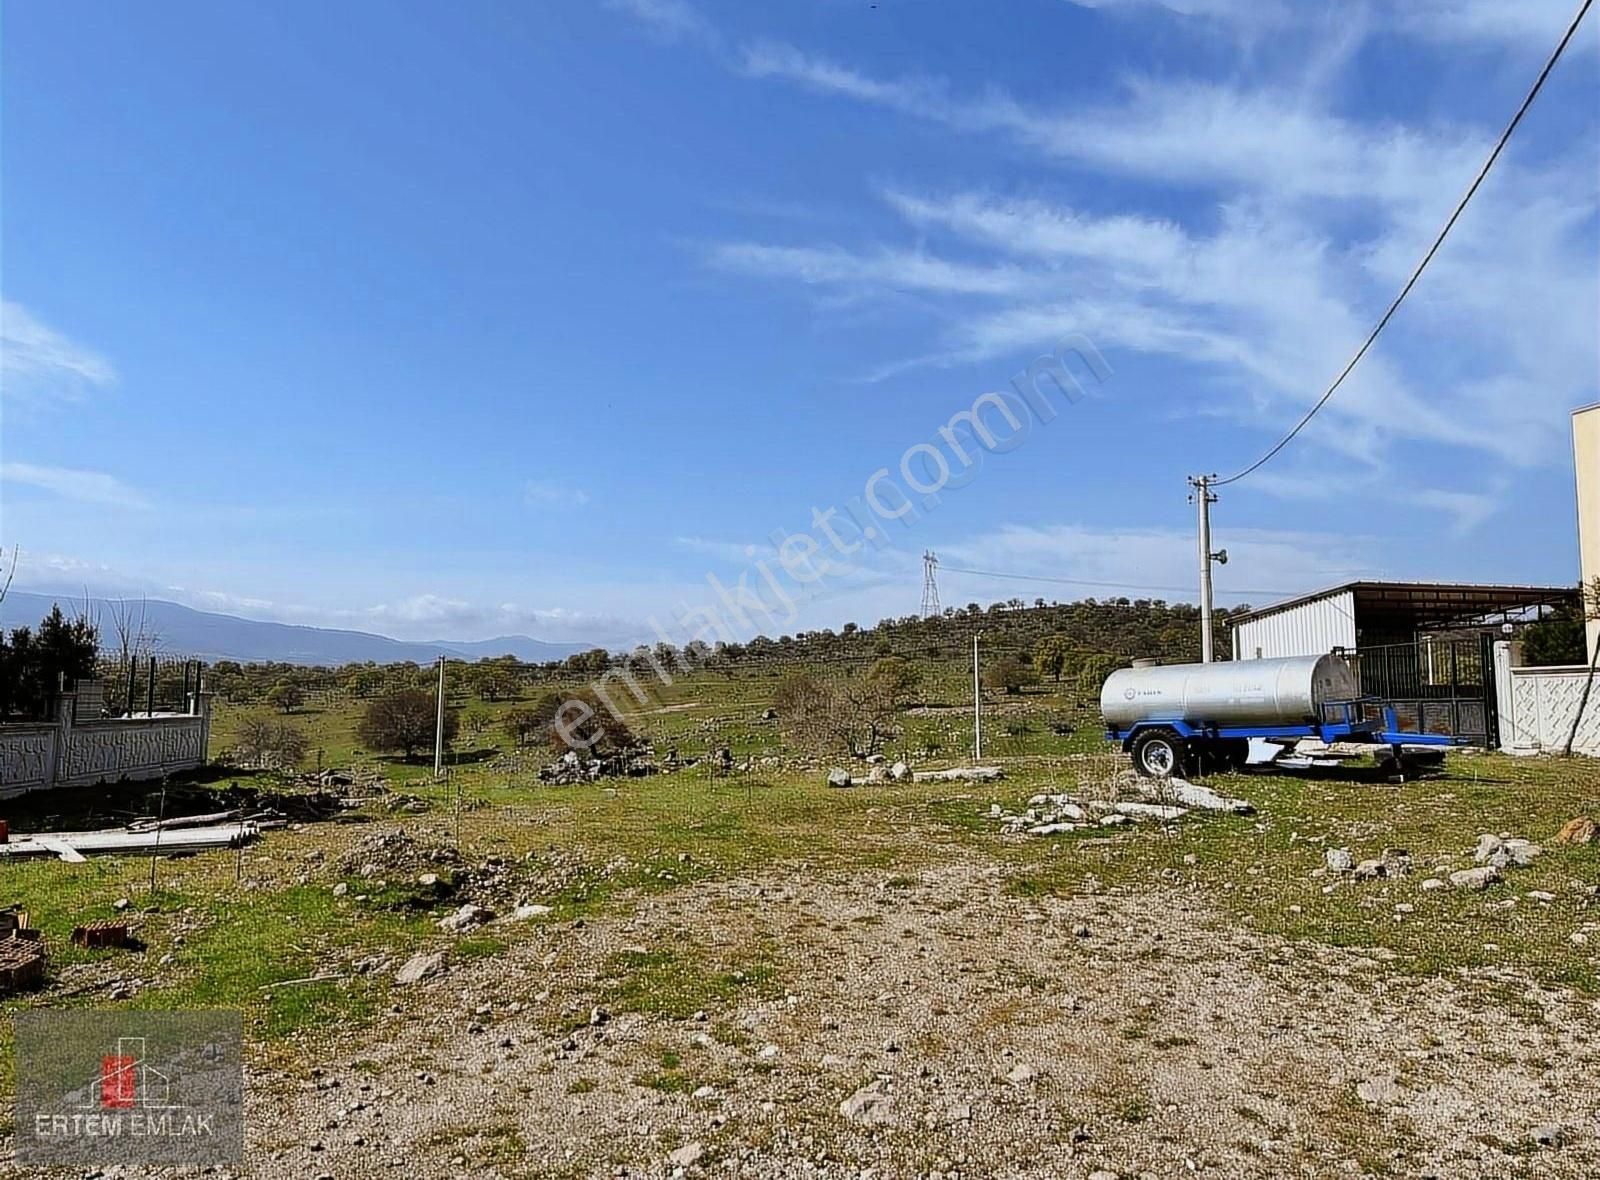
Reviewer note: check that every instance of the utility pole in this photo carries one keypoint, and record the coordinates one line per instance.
(977, 704)
(438, 729)
(1204, 498)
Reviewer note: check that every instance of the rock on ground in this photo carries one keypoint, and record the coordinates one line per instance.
(868, 1106)
(1479, 878)
(1582, 830)
(1195, 795)
(959, 774)
(468, 917)
(687, 1156)
(419, 967)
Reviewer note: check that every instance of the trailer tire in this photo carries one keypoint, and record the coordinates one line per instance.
(1157, 753)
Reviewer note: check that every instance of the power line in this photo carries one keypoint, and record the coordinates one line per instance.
(1505, 136)
(1102, 585)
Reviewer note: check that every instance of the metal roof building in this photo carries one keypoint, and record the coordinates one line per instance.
(1368, 614)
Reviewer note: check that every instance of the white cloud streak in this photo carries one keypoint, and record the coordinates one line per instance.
(671, 20)
(38, 363)
(88, 487)
(545, 495)
(1517, 25)
(1310, 221)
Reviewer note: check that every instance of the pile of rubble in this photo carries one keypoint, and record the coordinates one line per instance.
(355, 783)
(493, 885)
(570, 768)
(1492, 857)
(396, 854)
(1163, 800)
(312, 797)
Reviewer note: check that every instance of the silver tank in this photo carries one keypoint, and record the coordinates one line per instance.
(1285, 691)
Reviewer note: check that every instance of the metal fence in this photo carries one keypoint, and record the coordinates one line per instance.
(139, 684)
(1437, 684)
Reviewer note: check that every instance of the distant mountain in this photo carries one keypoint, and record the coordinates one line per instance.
(526, 649)
(205, 635)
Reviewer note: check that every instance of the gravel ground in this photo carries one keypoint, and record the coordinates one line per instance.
(983, 1035)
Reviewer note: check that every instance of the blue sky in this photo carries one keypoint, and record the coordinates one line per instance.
(493, 317)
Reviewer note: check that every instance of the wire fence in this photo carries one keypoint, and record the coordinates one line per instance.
(936, 714)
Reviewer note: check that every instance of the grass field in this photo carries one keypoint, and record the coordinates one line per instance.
(255, 930)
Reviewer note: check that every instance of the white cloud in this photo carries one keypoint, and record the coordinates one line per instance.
(732, 551)
(222, 601)
(1315, 219)
(542, 494)
(1152, 562)
(1467, 510)
(769, 59)
(38, 363)
(1267, 301)
(444, 617)
(1031, 228)
(1247, 19)
(1533, 25)
(897, 270)
(89, 487)
(1188, 132)
(673, 20)
(1510, 24)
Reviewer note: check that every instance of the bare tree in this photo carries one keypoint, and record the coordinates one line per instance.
(1590, 597)
(854, 716)
(135, 636)
(270, 744)
(11, 571)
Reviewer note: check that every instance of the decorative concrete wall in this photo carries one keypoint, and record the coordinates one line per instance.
(1537, 707)
(70, 753)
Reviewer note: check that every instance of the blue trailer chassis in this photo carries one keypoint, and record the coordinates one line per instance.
(1367, 721)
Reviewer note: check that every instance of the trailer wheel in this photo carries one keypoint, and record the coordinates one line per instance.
(1157, 753)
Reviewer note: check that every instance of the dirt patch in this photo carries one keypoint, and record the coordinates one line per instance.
(719, 1028)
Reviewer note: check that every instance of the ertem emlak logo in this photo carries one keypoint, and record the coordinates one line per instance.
(130, 1087)
(119, 1077)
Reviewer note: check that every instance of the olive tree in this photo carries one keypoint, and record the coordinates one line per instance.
(404, 721)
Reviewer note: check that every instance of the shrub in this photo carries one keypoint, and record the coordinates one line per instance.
(1093, 674)
(270, 743)
(1009, 674)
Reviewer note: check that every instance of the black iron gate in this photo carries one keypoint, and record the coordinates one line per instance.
(1437, 685)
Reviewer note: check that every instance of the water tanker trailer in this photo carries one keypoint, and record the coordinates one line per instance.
(1184, 718)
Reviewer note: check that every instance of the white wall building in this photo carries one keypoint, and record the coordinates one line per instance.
(1586, 461)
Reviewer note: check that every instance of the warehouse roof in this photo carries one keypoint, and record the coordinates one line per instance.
(1420, 603)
